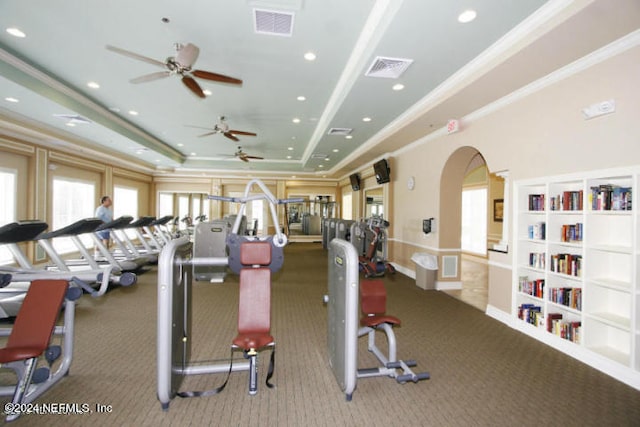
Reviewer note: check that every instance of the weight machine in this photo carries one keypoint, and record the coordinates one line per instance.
(254, 259)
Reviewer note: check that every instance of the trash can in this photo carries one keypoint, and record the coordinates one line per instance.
(426, 270)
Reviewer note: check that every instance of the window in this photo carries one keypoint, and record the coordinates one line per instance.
(255, 211)
(474, 221)
(8, 191)
(72, 200)
(183, 210)
(125, 202)
(165, 204)
(195, 205)
(347, 209)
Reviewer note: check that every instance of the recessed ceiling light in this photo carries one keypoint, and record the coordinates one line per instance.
(157, 160)
(467, 16)
(366, 119)
(93, 85)
(310, 56)
(71, 125)
(192, 154)
(207, 92)
(10, 99)
(114, 109)
(301, 98)
(288, 157)
(320, 166)
(15, 32)
(133, 113)
(290, 148)
(293, 176)
(335, 150)
(327, 159)
(349, 136)
(397, 86)
(293, 137)
(296, 120)
(180, 144)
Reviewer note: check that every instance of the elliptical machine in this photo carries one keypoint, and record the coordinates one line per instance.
(374, 261)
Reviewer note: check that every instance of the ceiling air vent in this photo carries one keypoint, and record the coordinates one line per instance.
(390, 68)
(339, 131)
(73, 118)
(273, 23)
(318, 156)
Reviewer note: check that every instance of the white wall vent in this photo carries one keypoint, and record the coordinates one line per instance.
(273, 22)
(340, 131)
(390, 68)
(449, 266)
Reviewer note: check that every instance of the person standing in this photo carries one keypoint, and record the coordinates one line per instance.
(105, 213)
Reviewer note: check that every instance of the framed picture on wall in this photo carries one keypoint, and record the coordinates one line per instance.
(498, 210)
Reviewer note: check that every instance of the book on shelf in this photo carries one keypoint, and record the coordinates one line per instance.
(571, 232)
(532, 287)
(568, 330)
(536, 202)
(537, 260)
(610, 197)
(569, 264)
(537, 231)
(530, 313)
(568, 201)
(570, 297)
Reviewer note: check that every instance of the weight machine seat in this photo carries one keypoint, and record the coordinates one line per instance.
(373, 303)
(35, 321)
(254, 311)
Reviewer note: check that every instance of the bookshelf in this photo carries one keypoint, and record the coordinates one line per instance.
(576, 253)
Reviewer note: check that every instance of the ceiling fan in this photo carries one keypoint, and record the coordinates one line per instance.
(223, 128)
(244, 156)
(181, 64)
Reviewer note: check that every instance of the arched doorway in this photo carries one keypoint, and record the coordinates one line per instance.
(466, 169)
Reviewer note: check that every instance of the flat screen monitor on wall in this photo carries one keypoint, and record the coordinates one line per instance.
(381, 170)
(355, 182)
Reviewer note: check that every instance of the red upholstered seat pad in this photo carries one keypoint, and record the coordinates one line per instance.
(18, 353)
(372, 321)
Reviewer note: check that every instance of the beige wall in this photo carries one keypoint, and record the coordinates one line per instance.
(542, 134)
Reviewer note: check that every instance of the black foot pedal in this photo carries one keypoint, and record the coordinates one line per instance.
(40, 375)
(53, 353)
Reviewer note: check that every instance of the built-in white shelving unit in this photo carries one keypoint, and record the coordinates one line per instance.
(576, 253)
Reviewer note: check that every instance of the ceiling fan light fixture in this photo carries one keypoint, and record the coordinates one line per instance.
(310, 56)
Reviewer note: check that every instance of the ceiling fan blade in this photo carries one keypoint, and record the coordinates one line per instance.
(188, 55)
(216, 77)
(136, 56)
(244, 158)
(151, 77)
(193, 85)
(207, 134)
(241, 132)
(254, 157)
(230, 136)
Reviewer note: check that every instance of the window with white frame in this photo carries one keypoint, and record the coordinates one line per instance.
(72, 200)
(8, 191)
(347, 207)
(474, 221)
(183, 210)
(125, 203)
(165, 204)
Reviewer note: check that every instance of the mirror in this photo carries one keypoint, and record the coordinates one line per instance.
(306, 218)
(374, 202)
